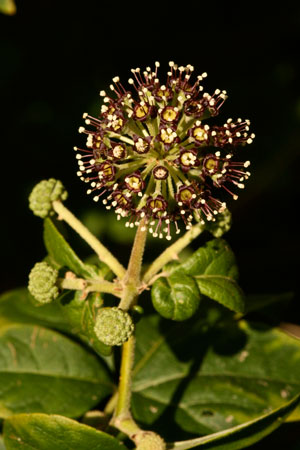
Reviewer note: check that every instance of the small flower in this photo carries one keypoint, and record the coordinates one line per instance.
(43, 194)
(42, 282)
(150, 154)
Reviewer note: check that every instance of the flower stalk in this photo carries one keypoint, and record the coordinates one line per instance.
(171, 253)
(102, 252)
(79, 284)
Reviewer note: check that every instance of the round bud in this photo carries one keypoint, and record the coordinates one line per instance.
(221, 225)
(150, 441)
(42, 282)
(43, 194)
(113, 326)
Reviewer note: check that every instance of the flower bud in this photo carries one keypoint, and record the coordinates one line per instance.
(43, 194)
(42, 282)
(113, 326)
(150, 441)
(221, 225)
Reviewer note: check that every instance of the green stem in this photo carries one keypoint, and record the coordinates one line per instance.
(122, 417)
(79, 284)
(124, 393)
(171, 253)
(111, 404)
(132, 280)
(102, 252)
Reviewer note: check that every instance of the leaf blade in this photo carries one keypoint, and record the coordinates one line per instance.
(61, 252)
(243, 435)
(43, 432)
(214, 268)
(44, 371)
(176, 297)
(191, 379)
(16, 306)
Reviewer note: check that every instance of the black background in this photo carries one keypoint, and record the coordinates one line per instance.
(56, 56)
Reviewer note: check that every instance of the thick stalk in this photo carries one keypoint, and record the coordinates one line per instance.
(102, 252)
(131, 280)
(171, 253)
(122, 417)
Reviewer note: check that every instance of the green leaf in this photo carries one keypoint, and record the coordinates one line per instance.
(176, 297)
(42, 432)
(214, 268)
(44, 371)
(61, 252)
(8, 7)
(192, 379)
(214, 258)
(67, 313)
(16, 306)
(1, 444)
(80, 314)
(241, 436)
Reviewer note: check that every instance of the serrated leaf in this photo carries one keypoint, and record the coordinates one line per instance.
(222, 289)
(191, 379)
(241, 436)
(61, 252)
(176, 297)
(214, 258)
(214, 268)
(43, 432)
(44, 371)
(66, 314)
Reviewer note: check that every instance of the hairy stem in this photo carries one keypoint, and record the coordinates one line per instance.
(122, 417)
(124, 393)
(131, 280)
(79, 284)
(102, 252)
(171, 253)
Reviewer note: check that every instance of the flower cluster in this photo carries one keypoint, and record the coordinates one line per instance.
(151, 154)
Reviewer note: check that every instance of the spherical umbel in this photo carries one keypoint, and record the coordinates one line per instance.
(43, 194)
(151, 145)
(113, 326)
(42, 282)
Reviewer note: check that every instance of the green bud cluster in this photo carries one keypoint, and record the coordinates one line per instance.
(221, 225)
(113, 326)
(42, 282)
(150, 441)
(43, 194)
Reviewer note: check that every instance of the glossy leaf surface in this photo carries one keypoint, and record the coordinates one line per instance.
(176, 297)
(192, 379)
(43, 432)
(243, 435)
(44, 371)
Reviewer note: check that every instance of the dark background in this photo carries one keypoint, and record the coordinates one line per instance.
(56, 56)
